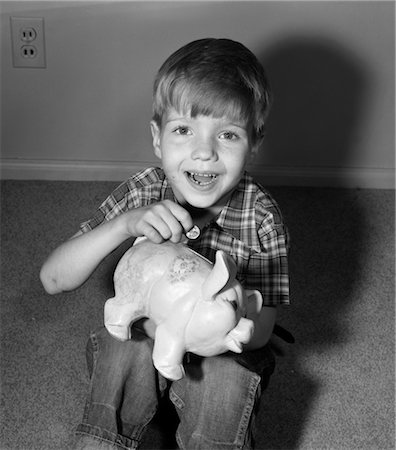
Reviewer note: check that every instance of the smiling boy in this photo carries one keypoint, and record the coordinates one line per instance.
(204, 157)
(211, 100)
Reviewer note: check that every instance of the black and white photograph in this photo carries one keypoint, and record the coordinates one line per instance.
(197, 220)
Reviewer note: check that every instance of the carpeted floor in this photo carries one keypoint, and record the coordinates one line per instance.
(332, 389)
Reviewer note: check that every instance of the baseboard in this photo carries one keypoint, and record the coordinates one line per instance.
(355, 177)
(68, 170)
(345, 177)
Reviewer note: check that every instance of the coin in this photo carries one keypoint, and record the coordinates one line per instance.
(194, 232)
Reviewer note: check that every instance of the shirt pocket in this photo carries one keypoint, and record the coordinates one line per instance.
(241, 254)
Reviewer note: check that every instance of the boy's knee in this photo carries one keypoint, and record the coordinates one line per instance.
(110, 354)
(216, 409)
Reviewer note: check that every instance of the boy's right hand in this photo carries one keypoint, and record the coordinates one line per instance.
(159, 222)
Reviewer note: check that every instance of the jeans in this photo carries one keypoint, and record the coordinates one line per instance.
(216, 401)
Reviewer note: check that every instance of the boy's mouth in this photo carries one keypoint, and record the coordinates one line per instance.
(201, 179)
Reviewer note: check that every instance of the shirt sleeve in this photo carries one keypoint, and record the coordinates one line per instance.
(138, 190)
(119, 201)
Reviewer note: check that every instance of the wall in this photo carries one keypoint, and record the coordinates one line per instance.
(86, 115)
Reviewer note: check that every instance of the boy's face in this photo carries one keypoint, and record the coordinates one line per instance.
(203, 157)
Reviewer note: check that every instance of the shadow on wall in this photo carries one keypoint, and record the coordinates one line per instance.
(318, 89)
(317, 99)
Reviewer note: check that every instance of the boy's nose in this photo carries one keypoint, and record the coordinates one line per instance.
(205, 150)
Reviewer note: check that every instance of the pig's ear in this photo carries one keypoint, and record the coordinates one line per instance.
(223, 271)
(255, 303)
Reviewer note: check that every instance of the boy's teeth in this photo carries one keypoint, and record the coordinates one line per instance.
(202, 178)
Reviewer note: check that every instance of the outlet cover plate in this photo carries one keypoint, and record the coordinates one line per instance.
(28, 43)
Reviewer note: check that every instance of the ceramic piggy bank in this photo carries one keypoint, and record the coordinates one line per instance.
(197, 306)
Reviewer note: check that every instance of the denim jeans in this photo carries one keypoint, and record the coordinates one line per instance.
(216, 401)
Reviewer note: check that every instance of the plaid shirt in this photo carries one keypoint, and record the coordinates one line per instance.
(249, 228)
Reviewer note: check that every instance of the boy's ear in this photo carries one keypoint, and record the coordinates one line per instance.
(156, 133)
(255, 148)
(253, 152)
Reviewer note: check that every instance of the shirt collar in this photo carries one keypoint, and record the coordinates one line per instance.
(237, 218)
(167, 191)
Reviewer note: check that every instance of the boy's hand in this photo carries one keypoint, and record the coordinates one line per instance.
(159, 222)
(70, 264)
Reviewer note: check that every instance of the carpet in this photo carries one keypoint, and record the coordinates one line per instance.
(333, 389)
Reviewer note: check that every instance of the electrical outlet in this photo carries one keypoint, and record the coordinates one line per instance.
(28, 45)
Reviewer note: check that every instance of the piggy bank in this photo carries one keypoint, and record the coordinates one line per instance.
(197, 306)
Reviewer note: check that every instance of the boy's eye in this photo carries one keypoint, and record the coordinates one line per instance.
(182, 130)
(229, 135)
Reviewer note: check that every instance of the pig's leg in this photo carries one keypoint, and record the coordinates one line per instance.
(168, 352)
(119, 316)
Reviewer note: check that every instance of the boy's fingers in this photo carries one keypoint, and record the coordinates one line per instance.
(161, 225)
(151, 233)
(165, 220)
(181, 214)
(171, 227)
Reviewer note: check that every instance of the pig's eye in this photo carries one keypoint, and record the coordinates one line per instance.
(234, 304)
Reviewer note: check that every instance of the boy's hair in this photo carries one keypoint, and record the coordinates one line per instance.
(217, 77)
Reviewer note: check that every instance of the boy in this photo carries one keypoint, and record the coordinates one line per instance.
(211, 100)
